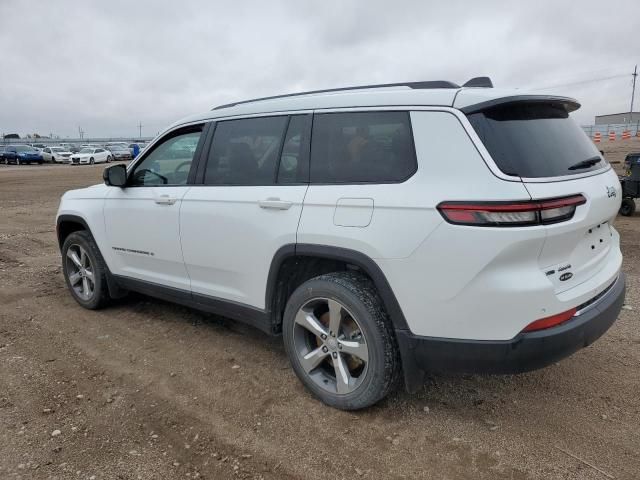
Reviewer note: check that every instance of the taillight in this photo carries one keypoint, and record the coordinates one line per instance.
(511, 214)
(551, 321)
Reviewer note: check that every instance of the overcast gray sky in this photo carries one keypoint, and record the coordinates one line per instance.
(107, 65)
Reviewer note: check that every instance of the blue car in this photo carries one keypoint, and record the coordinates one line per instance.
(20, 155)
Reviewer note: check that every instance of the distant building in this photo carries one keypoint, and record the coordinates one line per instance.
(626, 117)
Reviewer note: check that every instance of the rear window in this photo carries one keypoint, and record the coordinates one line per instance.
(535, 140)
(363, 147)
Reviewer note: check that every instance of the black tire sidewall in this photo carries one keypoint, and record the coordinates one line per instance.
(85, 240)
(628, 207)
(375, 385)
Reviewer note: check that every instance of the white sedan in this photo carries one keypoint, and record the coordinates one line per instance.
(90, 155)
(56, 154)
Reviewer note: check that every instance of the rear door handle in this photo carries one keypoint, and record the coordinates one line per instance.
(275, 204)
(165, 200)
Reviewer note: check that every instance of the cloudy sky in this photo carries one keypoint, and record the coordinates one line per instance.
(108, 65)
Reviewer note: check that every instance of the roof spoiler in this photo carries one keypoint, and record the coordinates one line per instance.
(570, 104)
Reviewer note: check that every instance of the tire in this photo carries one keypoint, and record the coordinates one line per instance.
(628, 207)
(364, 327)
(83, 241)
(53, 160)
(109, 159)
(91, 161)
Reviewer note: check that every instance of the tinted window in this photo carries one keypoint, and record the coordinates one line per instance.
(535, 140)
(362, 147)
(294, 160)
(169, 162)
(245, 152)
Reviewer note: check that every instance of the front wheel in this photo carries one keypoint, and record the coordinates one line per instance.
(109, 159)
(91, 161)
(340, 341)
(84, 270)
(627, 207)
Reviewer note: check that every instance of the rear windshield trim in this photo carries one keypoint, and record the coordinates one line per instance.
(570, 104)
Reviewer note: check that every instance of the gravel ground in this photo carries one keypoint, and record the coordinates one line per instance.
(146, 389)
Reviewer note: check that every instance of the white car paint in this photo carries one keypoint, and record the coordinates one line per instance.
(90, 155)
(56, 154)
(450, 281)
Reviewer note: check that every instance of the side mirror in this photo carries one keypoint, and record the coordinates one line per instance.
(115, 176)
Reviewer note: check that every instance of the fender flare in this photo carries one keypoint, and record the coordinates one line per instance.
(360, 260)
(115, 291)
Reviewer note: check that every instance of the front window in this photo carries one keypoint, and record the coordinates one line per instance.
(534, 140)
(25, 149)
(169, 162)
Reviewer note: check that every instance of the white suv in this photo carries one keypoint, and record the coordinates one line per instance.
(384, 231)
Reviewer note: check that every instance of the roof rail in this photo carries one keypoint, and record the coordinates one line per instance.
(415, 85)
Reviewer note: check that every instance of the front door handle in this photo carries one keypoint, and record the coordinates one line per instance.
(165, 200)
(275, 204)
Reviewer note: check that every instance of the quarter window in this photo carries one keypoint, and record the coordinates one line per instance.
(245, 151)
(169, 162)
(362, 147)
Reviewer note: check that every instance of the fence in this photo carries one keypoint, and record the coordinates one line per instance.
(73, 141)
(607, 132)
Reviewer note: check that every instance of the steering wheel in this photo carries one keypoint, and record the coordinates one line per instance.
(183, 164)
(142, 172)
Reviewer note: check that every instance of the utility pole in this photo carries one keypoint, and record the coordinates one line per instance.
(633, 92)
(140, 129)
(80, 133)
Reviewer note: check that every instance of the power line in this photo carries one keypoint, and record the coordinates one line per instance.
(582, 82)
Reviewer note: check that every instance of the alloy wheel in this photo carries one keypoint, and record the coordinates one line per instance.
(80, 272)
(330, 346)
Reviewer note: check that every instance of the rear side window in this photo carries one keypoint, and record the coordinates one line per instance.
(362, 147)
(535, 140)
(246, 151)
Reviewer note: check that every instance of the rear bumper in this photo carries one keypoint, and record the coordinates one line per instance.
(526, 351)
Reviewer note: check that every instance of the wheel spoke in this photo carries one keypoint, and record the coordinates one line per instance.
(356, 349)
(312, 359)
(310, 322)
(83, 257)
(74, 258)
(335, 316)
(85, 287)
(342, 374)
(74, 278)
(89, 275)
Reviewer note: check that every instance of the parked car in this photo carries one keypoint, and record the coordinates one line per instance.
(90, 155)
(119, 152)
(56, 154)
(38, 146)
(384, 231)
(21, 155)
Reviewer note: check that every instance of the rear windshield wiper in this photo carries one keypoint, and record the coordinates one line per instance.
(589, 162)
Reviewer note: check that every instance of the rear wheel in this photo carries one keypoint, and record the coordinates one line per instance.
(628, 207)
(340, 341)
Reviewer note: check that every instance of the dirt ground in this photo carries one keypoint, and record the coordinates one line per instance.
(146, 389)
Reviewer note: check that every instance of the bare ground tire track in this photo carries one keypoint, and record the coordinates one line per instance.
(159, 397)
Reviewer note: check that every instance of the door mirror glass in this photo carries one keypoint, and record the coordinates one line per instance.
(115, 176)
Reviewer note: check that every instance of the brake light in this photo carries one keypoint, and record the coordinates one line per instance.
(551, 321)
(511, 214)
